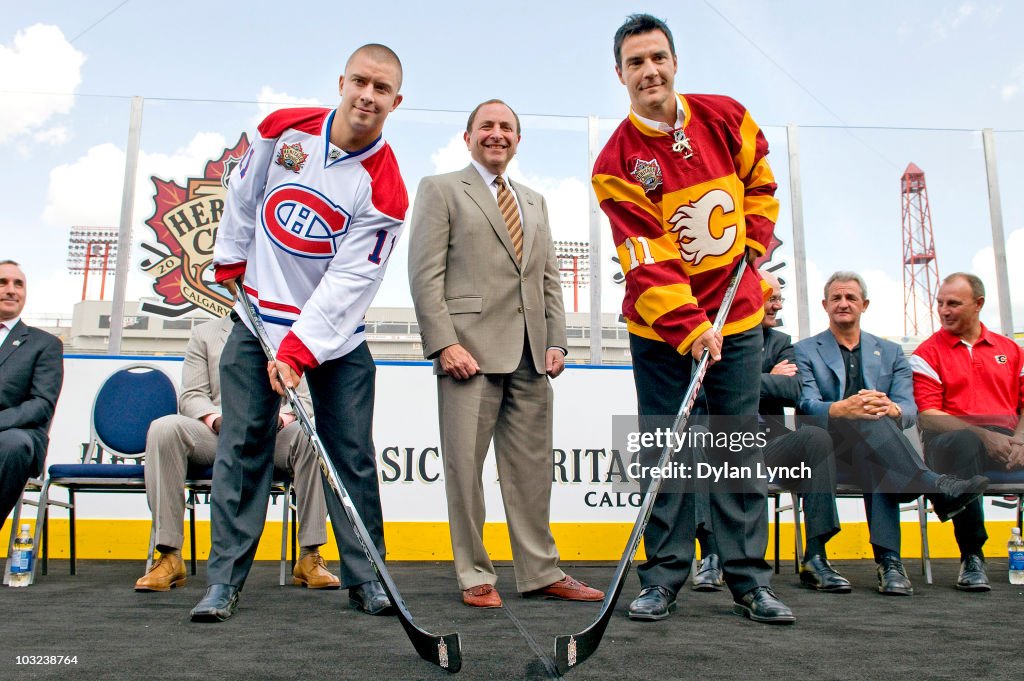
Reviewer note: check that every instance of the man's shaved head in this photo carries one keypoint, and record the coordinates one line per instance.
(378, 53)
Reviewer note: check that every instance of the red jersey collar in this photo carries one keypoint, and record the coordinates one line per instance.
(952, 339)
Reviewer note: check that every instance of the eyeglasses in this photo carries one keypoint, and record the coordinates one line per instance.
(776, 300)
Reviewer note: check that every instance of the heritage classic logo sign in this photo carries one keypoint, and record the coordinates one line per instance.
(184, 223)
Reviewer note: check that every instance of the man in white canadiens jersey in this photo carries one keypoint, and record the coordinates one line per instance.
(313, 212)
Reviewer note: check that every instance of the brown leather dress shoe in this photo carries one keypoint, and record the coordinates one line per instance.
(567, 589)
(312, 573)
(482, 596)
(166, 573)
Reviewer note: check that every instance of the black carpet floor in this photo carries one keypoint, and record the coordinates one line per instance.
(292, 633)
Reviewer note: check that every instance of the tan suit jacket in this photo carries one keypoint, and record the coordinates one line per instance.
(466, 284)
(469, 288)
(200, 373)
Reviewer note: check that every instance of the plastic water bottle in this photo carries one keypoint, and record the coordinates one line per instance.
(21, 559)
(1016, 547)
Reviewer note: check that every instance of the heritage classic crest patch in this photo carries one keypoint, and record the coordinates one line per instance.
(292, 157)
(184, 222)
(648, 174)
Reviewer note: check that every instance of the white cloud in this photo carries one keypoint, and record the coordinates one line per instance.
(984, 265)
(86, 192)
(884, 316)
(1012, 88)
(53, 136)
(58, 293)
(39, 59)
(951, 19)
(270, 100)
(453, 156)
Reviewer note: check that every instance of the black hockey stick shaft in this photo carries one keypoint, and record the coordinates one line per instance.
(444, 651)
(575, 648)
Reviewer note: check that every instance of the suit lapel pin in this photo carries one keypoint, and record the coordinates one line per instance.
(879, 354)
(16, 343)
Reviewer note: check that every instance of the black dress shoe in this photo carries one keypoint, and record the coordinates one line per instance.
(708, 576)
(369, 597)
(892, 578)
(217, 604)
(653, 603)
(761, 605)
(817, 573)
(954, 494)
(972, 575)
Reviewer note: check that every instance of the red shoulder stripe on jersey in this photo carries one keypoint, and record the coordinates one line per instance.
(224, 272)
(295, 354)
(304, 119)
(387, 189)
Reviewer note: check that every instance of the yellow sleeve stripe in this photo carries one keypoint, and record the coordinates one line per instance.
(757, 247)
(660, 249)
(761, 175)
(687, 343)
(765, 206)
(748, 139)
(658, 300)
(617, 189)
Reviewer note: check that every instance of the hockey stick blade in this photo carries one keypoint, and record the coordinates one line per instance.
(444, 651)
(575, 648)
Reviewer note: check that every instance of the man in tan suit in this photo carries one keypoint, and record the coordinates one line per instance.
(486, 290)
(190, 437)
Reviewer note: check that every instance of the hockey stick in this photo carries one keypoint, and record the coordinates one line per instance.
(444, 651)
(575, 648)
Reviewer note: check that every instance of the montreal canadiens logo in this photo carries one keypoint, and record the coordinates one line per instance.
(303, 221)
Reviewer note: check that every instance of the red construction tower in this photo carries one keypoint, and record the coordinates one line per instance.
(920, 269)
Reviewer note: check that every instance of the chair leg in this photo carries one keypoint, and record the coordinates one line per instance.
(284, 536)
(926, 558)
(46, 535)
(71, 518)
(778, 516)
(192, 531)
(152, 546)
(295, 526)
(15, 518)
(798, 534)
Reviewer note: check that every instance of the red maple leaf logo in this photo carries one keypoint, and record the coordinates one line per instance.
(169, 196)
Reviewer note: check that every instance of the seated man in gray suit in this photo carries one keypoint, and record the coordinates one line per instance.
(31, 375)
(190, 437)
(810, 445)
(861, 387)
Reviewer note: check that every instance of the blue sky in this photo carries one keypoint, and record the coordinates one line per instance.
(868, 82)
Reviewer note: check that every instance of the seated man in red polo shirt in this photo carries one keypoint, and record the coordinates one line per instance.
(969, 389)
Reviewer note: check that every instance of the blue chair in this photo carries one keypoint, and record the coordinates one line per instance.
(126, 404)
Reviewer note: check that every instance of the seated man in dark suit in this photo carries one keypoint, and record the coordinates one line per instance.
(810, 445)
(969, 385)
(31, 375)
(861, 387)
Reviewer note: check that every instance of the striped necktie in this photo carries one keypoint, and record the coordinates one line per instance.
(510, 213)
